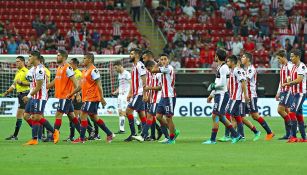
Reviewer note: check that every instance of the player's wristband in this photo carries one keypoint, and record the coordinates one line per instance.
(29, 95)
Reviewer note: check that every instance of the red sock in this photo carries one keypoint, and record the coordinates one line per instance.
(30, 121)
(228, 116)
(84, 123)
(42, 121)
(300, 118)
(143, 119)
(154, 119)
(172, 136)
(58, 122)
(215, 129)
(149, 122)
(230, 126)
(130, 117)
(260, 120)
(287, 118)
(292, 116)
(100, 122)
(238, 119)
(75, 120)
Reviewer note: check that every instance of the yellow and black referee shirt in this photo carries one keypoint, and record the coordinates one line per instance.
(21, 75)
(78, 74)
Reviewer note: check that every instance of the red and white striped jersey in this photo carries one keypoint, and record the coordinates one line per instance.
(116, 29)
(149, 77)
(251, 76)
(137, 72)
(299, 70)
(156, 80)
(23, 48)
(275, 4)
(38, 73)
(2, 46)
(305, 28)
(124, 82)
(237, 75)
(285, 71)
(168, 81)
(295, 28)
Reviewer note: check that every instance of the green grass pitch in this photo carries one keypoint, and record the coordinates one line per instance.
(187, 157)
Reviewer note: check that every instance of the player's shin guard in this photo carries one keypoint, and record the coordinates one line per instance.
(57, 123)
(102, 125)
(29, 121)
(227, 132)
(265, 126)
(288, 126)
(122, 123)
(40, 132)
(72, 130)
(35, 128)
(76, 123)
(301, 126)
(83, 127)
(46, 124)
(17, 127)
(153, 128)
(164, 130)
(213, 134)
(131, 123)
(240, 125)
(293, 123)
(233, 131)
(146, 128)
(143, 121)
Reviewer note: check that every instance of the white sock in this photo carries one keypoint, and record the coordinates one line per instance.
(137, 122)
(122, 123)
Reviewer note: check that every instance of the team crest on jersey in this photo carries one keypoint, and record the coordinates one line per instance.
(69, 67)
(250, 71)
(96, 71)
(142, 67)
(239, 72)
(303, 67)
(40, 72)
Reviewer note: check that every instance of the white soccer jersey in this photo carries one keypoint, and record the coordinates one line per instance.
(237, 75)
(221, 79)
(155, 96)
(285, 71)
(124, 79)
(295, 72)
(138, 71)
(149, 77)
(251, 76)
(38, 73)
(168, 81)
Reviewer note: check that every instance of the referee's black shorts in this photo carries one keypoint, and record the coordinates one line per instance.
(21, 104)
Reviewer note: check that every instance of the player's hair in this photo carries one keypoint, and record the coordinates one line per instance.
(42, 60)
(148, 52)
(249, 56)
(233, 59)
(90, 56)
(117, 63)
(297, 52)
(281, 53)
(21, 58)
(136, 51)
(75, 61)
(150, 63)
(63, 53)
(221, 54)
(36, 53)
(164, 55)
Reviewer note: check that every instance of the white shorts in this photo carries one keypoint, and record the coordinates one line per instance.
(122, 102)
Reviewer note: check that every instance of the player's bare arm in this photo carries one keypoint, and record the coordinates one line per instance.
(51, 84)
(129, 96)
(294, 82)
(115, 92)
(74, 81)
(39, 84)
(244, 89)
(10, 89)
(103, 102)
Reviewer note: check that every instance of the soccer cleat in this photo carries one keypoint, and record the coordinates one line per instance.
(78, 140)
(257, 136)
(32, 142)
(56, 136)
(269, 136)
(209, 142)
(97, 137)
(120, 132)
(150, 139)
(177, 133)
(224, 139)
(169, 142)
(69, 139)
(292, 140)
(128, 139)
(235, 140)
(138, 138)
(12, 137)
(110, 138)
(159, 134)
(284, 137)
(139, 129)
(164, 140)
(243, 139)
(303, 140)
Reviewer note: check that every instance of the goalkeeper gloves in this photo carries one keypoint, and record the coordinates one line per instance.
(211, 87)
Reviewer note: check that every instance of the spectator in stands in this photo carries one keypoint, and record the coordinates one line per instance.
(168, 48)
(206, 56)
(228, 13)
(73, 36)
(203, 17)
(249, 45)
(304, 22)
(288, 45)
(48, 24)
(281, 20)
(221, 43)
(108, 51)
(61, 43)
(175, 63)
(76, 16)
(288, 6)
(236, 23)
(236, 46)
(136, 10)
(87, 17)
(2, 45)
(208, 7)
(266, 5)
(244, 26)
(132, 45)
(38, 25)
(12, 46)
(93, 50)
(274, 63)
(1, 28)
(103, 43)
(95, 37)
(77, 49)
(189, 10)
(23, 47)
(117, 29)
(264, 24)
(254, 9)
(50, 43)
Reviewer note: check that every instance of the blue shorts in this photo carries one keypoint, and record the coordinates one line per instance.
(236, 108)
(286, 99)
(137, 103)
(90, 107)
(220, 104)
(147, 106)
(153, 109)
(166, 106)
(28, 106)
(65, 106)
(297, 104)
(37, 106)
(251, 106)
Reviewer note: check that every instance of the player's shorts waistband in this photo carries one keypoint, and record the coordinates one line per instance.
(24, 92)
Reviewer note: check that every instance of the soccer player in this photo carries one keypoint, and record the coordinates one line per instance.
(167, 103)
(21, 85)
(154, 90)
(298, 89)
(64, 83)
(221, 96)
(137, 95)
(92, 95)
(238, 97)
(251, 106)
(39, 98)
(284, 94)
